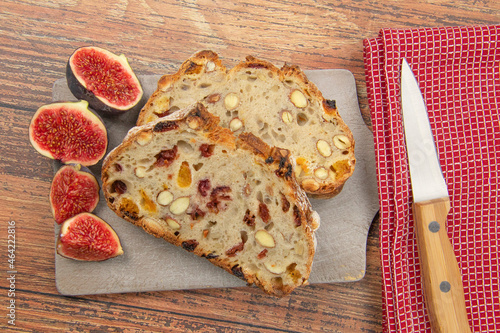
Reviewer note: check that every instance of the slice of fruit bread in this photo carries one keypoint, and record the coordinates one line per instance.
(280, 106)
(233, 200)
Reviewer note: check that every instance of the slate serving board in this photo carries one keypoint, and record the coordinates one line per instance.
(151, 264)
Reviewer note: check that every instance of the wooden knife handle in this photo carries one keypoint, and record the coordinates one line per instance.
(442, 282)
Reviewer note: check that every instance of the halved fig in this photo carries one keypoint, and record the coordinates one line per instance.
(69, 132)
(104, 79)
(74, 190)
(87, 237)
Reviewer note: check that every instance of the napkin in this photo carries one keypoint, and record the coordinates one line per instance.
(458, 72)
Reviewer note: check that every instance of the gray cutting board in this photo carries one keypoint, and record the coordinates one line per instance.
(151, 264)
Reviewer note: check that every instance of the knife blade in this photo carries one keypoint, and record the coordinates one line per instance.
(441, 278)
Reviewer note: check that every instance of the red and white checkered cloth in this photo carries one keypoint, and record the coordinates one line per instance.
(458, 69)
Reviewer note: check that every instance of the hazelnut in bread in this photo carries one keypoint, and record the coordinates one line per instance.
(233, 200)
(280, 106)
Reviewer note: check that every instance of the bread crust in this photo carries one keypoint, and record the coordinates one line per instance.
(196, 68)
(197, 118)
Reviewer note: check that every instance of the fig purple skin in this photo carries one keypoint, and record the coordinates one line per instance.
(105, 80)
(69, 132)
(87, 237)
(74, 190)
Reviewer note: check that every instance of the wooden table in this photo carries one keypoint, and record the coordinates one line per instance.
(36, 39)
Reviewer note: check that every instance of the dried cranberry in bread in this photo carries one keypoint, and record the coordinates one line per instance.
(233, 200)
(281, 106)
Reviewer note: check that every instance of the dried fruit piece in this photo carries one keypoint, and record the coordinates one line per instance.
(184, 175)
(129, 208)
(262, 254)
(87, 237)
(218, 194)
(119, 187)
(104, 79)
(214, 98)
(74, 190)
(249, 218)
(235, 249)
(264, 212)
(165, 126)
(207, 150)
(147, 203)
(190, 245)
(196, 213)
(69, 132)
(297, 216)
(204, 187)
(166, 157)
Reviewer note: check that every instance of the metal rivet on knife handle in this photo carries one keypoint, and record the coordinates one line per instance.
(434, 226)
(445, 286)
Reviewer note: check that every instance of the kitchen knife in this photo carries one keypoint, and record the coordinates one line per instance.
(441, 278)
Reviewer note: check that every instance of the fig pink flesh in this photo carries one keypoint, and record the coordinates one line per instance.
(68, 135)
(87, 237)
(73, 192)
(105, 77)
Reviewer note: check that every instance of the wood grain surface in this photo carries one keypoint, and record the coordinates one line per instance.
(36, 39)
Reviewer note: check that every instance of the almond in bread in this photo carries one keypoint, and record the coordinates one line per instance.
(233, 200)
(281, 106)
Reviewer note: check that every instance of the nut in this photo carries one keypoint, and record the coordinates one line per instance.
(299, 249)
(287, 117)
(262, 77)
(140, 171)
(264, 238)
(164, 198)
(179, 205)
(298, 99)
(231, 101)
(324, 148)
(310, 185)
(173, 224)
(144, 138)
(193, 122)
(161, 104)
(321, 173)
(341, 141)
(315, 221)
(235, 124)
(274, 268)
(210, 66)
